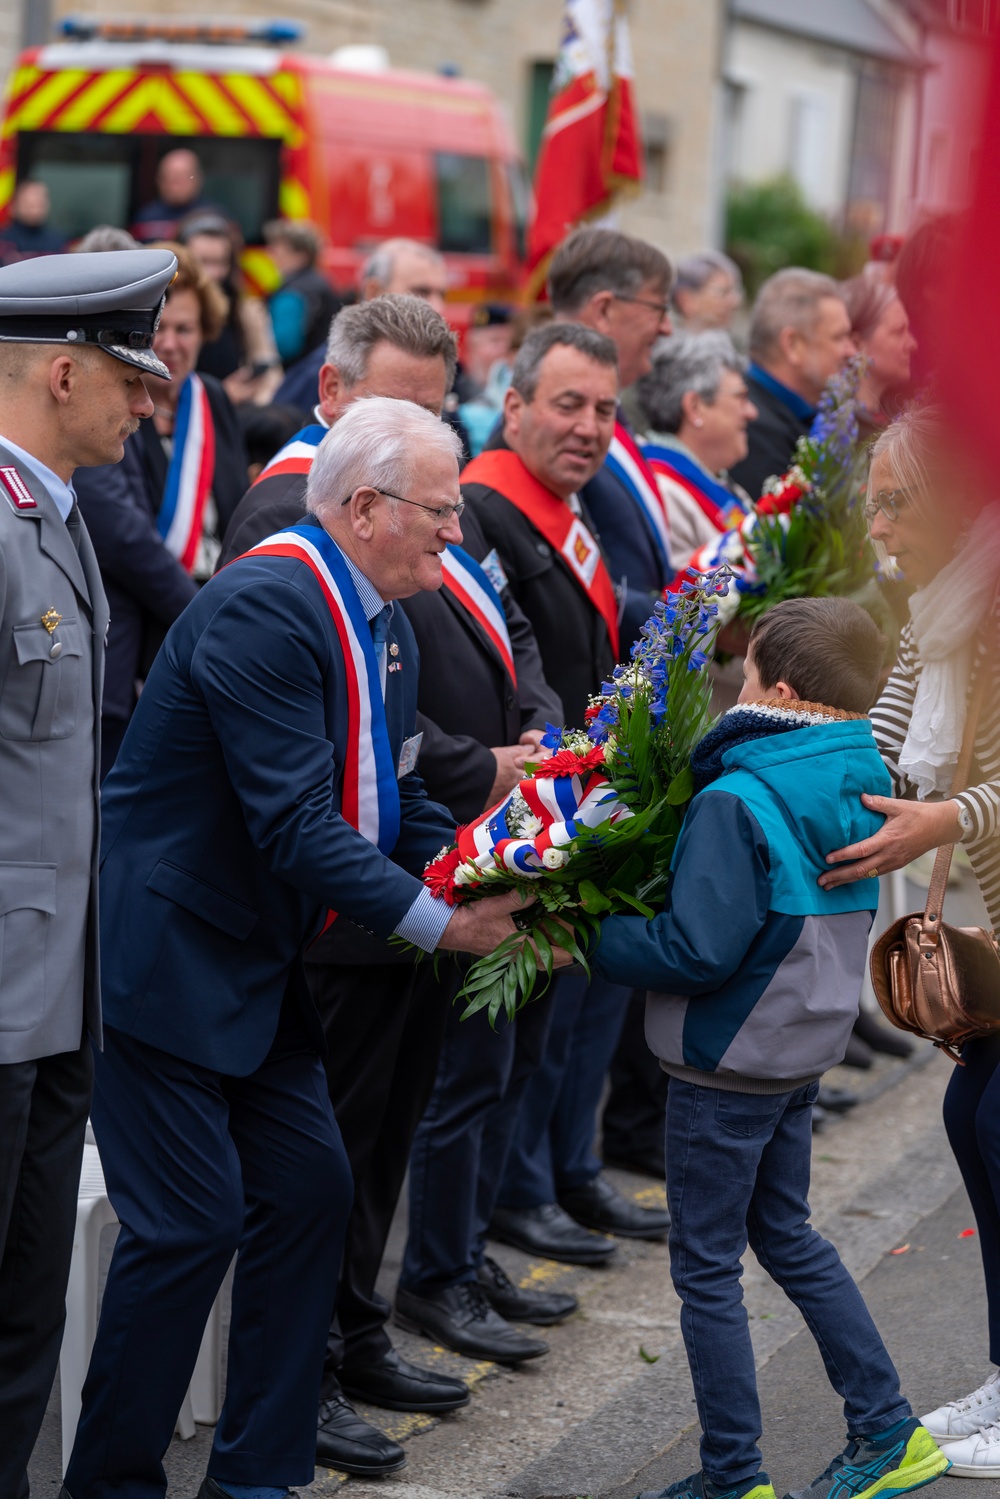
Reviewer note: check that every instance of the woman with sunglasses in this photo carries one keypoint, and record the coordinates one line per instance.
(927, 514)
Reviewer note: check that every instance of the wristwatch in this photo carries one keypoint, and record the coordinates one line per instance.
(965, 821)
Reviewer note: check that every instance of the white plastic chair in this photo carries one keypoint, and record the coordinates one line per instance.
(203, 1400)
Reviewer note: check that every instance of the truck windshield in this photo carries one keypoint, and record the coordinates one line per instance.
(465, 210)
(104, 179)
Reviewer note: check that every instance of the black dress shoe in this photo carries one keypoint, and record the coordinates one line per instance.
(461, 1318)
(836, 1100)
(550, 1232)
(541, 1308)
(346, 1442)
(597, 1205)
(880, 1037)
(858, 1054)
(397, 1385)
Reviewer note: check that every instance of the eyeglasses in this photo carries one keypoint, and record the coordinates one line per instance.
(889, 501)
(445, 513)
(660, 308)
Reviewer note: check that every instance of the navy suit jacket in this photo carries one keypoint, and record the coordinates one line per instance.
(223, 844)
(631, 551)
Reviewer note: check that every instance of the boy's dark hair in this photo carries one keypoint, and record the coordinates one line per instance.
(829, 650)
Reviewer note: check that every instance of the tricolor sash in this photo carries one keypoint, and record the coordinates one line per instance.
(626, 461)
(369, 798)
(502, 470)
(466, 580)
(189, 477)
(723, 508)
(296, 457)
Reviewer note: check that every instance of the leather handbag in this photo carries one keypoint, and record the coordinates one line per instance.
(938, 981)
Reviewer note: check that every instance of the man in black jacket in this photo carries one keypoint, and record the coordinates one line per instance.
(800, 335)
(384, 1015)
(525, 490)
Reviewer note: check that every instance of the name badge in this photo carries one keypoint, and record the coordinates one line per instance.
(408, 755)
(493, 568)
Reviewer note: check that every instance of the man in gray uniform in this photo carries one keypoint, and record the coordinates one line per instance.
(64, 403)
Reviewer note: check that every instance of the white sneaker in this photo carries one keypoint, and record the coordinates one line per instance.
(977, 1456)
(965, 1417)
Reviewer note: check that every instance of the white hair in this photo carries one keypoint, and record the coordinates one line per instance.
(377, 442)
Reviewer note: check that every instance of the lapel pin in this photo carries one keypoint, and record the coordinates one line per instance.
(393, 649)
(50, 619)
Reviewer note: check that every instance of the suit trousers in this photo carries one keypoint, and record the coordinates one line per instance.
(384, 1025)
(553, 1146)
(199, 1167)
(461, 1146)
(635, 1112)
(43, 1118)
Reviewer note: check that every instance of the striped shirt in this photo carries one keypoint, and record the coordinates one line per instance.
(890, 718)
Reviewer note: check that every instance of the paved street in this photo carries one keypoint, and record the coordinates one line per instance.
(610, 1409)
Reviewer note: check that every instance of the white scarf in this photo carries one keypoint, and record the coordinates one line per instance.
(946, 617)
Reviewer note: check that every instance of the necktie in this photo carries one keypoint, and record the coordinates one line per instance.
(380, 629)
(73, 526)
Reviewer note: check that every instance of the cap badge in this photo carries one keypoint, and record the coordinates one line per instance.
(19, 496)
(50, 619)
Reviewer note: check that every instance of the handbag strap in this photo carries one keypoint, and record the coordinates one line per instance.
(963, 766)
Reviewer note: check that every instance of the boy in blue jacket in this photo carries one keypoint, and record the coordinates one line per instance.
(754, 974)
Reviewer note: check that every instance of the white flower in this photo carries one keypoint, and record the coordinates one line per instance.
(555, 858)
(466, 874)
(531, 826)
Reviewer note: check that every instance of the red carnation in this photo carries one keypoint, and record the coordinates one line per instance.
(439, 877)
(568, 763)
(780, 501)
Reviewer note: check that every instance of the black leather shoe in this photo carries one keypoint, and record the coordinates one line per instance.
(597, 1205)
(397, 1385)
(345, 1441)
(461, 1318)
(880, 1037)
(541, 1308)
(550, 1232)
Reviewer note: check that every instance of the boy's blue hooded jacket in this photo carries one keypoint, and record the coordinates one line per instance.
(754, 971)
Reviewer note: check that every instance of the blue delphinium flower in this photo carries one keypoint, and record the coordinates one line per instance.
(552, 738)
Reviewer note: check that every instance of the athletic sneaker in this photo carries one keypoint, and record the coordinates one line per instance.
(977, 1456)
(962, 1418)
(700, 1487)
(895, 1461)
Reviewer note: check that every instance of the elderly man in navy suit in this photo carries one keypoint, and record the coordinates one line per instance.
(266, 779)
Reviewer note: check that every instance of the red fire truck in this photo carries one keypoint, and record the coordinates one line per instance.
(366, 153)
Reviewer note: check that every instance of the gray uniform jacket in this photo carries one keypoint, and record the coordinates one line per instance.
(50, 596)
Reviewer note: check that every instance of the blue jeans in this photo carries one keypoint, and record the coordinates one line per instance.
(738, 1171)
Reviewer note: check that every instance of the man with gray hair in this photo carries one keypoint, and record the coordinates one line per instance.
(266, 780)
(405, 267)
(480, 714)
(800, 336)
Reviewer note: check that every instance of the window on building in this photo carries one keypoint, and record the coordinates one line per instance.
(657, 134)
(539, 93)
(808, 152)
(465, 213)
(869, 182)
(734, 115)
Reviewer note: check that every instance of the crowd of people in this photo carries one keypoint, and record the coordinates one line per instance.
(302, 590)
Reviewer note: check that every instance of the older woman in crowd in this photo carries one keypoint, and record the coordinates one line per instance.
(881, 331)
(156, 518)
(930, 517)
(697, 408)
(708, 291)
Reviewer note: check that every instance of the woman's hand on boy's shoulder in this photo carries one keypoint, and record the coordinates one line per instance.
(910, 829)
